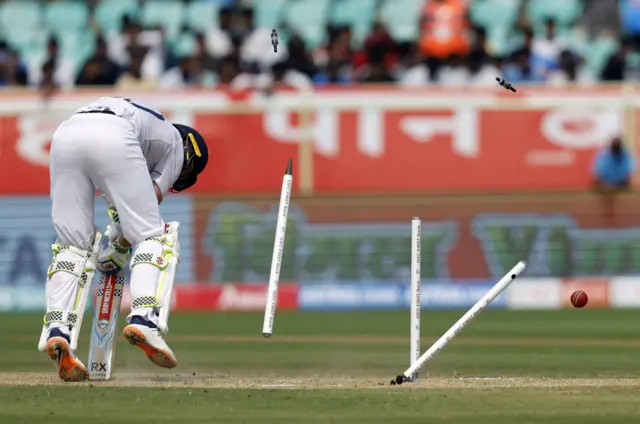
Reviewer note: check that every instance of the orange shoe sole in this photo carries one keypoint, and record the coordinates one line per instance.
(69, 368)
(158, 356)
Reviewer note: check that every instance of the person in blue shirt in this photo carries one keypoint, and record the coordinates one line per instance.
(13, 71)
(332, 74)
(523, 67)
(613, 167)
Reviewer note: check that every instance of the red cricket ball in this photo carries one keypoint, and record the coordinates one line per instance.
(579, 299)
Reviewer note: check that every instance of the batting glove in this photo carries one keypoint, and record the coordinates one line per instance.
(114, 259)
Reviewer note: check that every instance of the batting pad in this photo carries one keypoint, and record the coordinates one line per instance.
(155, 259)
(67, 288)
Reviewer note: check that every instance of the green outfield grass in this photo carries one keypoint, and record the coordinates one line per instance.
(572, 366)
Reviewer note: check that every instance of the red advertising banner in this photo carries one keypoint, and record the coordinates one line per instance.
(364, 140)
(232, 297)
(229, 297)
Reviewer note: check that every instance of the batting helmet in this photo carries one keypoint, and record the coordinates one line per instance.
(195, 157)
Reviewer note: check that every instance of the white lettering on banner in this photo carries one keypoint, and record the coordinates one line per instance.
(445, 295)
(539, 293)
(342, 295)
(324, 129)
(382, 295)
(624, 292)
(463, 127)
(234, 299)
(35, 136)
(553, 157)
(580, 128)
(371, 132)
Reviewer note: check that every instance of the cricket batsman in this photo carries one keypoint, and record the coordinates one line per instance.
(133, 155)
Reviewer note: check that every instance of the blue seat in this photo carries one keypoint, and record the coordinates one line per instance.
(108, 14)
(498, 37)
(402, 18)
(19, 15)
(33, 59)
(268, 14)
(309, 19)
(66, 15)
(201, 15)
(494, 13)
(184, 45)
(209, 79)
(358, 14)
(30, 42)
(598, 52)
(77, 46)
(166, 13)
(564, 12)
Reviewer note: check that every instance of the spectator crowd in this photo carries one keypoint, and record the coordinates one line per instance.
(450, 50)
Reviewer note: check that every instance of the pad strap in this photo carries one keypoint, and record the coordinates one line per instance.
(66, 266)
(58, 315)
(166, 261)
(145, 302)
(76, 268)
(155, 260)
(77, 265)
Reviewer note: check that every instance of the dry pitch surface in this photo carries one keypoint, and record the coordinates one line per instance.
(9, 379)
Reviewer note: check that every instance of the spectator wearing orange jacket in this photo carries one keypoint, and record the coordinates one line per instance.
(444, 26)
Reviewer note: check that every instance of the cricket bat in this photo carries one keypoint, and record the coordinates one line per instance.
(105, 325)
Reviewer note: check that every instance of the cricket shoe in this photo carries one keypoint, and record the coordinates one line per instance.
(147, 337)
(69, 367)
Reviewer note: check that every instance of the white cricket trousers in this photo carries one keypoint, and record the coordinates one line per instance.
(100, 151)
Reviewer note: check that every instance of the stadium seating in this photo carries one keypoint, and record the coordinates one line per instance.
(19, 15)
(165, 13)
(66, 16)
(184, 45)
(109, 14)
(76, 45)
(221, 3)
(497, 17)
(490, 13)
(359, 14)
(598, 51)
(21, 26)
(309, 19)
(563, 12)
(30, 43)
(27, 24)
(269, 13)
(402, 18)
(201, 15)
